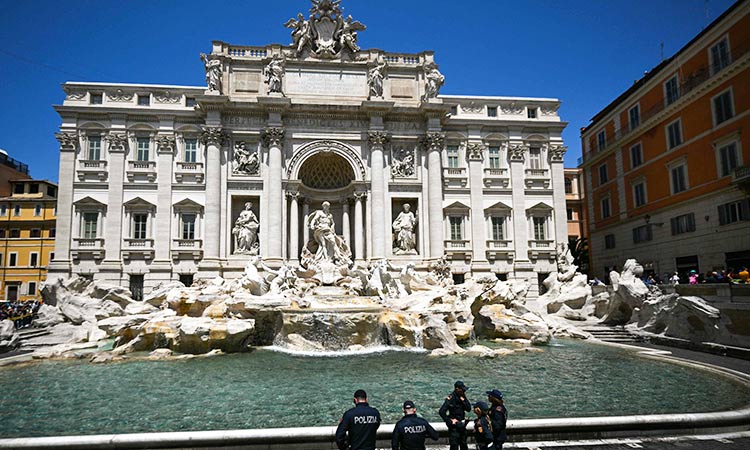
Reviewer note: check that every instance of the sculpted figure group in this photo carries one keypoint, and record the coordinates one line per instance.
(326, 33)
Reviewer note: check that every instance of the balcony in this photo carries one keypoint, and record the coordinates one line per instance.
(87, 248)
(138, 248)
(458, 249)
(187, 248)
(741, 179)
(189, 171)
(92, 170)
(537, 178)
(542, 248)
(141, 171)
(500, 249)
(496, 178)
(455, 177)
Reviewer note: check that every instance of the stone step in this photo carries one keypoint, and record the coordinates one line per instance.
(29, 333)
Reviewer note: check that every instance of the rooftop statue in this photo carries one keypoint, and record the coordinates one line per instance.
(213, 73)
(375, 78)
(434, 80)
(325, 33)
(274, 72)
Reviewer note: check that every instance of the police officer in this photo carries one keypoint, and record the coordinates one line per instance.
(482, 427)
(411, 431)
(453, 413)
(498, 418)
(361, 423)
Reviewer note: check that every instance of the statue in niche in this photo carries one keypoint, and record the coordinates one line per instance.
(245, 161)
(274, 72)
(403, 227)
(375, 78)
(245, 232)
(300, 32)
(213, 73)
(347, 35)
(331, 248)
(402, 165)
(434, 81)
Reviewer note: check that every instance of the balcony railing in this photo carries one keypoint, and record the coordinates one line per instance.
(139, 243)
(536, 173)
(93, 164)
(188, 243)
(457, 245)
(192, 248)
(541, 244)
(194, 169)
(89, 242)
(498, 244)
(689, 83)
(495, 172)
(454, 171)
(87, 247)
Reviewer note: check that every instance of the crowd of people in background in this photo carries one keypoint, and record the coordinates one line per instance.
(730, 276)
(21, 313)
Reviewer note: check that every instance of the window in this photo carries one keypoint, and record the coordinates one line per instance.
(454, 110)
(498, 231)
(732, 212)
(2, 260)
(96, 98)
(139, 226)
(603, 178)
(2, 233)
(568, 186)
(492, 111)
(636, 155)
(33, 259)
(15, 233)
(494, 157)
(531, 112)
(540, 228)
(190, 102)
(682, 224)
(51, 192)
(642, 234)
(609, 241)
(639, 194)
(37, 210)
(51, 256)
(144, 99)
(52, 232)
(674, 134)
(535, 157)
(17, 210)
(95, 148)
(601, 140)
(634, 114)
(188, 226)
(186, 279)
(728, 159)
(570, 213)
(191, 150)
(719, 55)
(453, 156)
(136, 287)
(32, 288)
(34, 188)
(456, 225)
(143, 147)
(3, 210)
(606, 210)
(18, 188)
(12, 259)
(671, 90)
(723, 107)
(678, 177)
(35, 233)
(90, 220)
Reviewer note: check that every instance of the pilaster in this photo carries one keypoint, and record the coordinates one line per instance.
(117, 149)
(377, 140)
(433, 143)
(273, 138)
(556, 155)
(517, 155)
(214, 139)
(61, 265)
(475, 152)
(166, 146)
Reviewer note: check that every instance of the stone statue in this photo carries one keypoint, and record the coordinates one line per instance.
(245, 232)
(440, 272)
(213, 73)
(281, 280)
(347, 34)
(375, 78)
(245, 161)
(402, 165)
(300, 33)
(274, 72)
(331, 248)
(434, 80)
(403, 227)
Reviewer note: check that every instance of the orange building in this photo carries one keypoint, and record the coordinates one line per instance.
(10, 169)
(574, 204)
(665, 165)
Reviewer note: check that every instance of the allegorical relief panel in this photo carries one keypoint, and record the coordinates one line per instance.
(403, 161)
(246, 159)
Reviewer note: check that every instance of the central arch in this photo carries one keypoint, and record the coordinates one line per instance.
(326, 171)
(309, 162)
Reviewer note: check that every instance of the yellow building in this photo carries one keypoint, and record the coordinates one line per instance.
(27, 237)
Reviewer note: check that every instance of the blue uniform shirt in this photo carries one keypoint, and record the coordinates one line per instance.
(410, 433)
(361, 422)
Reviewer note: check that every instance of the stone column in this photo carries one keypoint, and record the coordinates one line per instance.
(213, 138)
(359, 229)
(60, 266)
(273, 138)
(377, 140)
(165, 150)
(433, 144)
(345, 223)
(556, 154)
(475, 153)
(305, 215)
(111, 267)
(517, 154)
(293, 226)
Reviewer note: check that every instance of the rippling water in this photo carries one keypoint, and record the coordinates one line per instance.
(266, 389)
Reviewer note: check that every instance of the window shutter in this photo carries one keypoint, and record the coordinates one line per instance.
(691, 222)
(745, 209)
(723, 215)
(673, 223)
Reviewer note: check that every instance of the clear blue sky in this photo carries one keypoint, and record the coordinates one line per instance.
(583, 52)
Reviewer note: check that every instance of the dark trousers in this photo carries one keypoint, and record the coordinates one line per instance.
(457, 438)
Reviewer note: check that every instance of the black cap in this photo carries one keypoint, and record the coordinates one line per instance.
(360, 393)
(495, 393)
(409, 404)
(460, 385)
(482, 405)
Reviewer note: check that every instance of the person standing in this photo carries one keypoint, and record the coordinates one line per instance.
(357, 429)
(483, 427)
(498, 418)
(453, 413)
(410, 432)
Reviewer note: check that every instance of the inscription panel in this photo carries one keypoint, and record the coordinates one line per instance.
(340, 84)
(246, 81)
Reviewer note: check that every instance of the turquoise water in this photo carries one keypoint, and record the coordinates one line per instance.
(266, 389)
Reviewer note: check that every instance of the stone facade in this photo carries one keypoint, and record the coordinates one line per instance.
(154, 178)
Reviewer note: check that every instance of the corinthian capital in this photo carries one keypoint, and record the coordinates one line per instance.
(165, 144)
(213, 136)
(433, 141)
(557, 152)
(273, 136)
(68, 141)
(475, 150)
(117, 142)
(517, 151)
(377, 138)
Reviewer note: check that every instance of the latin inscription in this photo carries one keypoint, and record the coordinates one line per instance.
(326, 83)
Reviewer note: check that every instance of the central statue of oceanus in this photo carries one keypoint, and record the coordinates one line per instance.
(325, 253)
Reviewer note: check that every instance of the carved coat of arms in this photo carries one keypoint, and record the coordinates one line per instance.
(325, 33)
